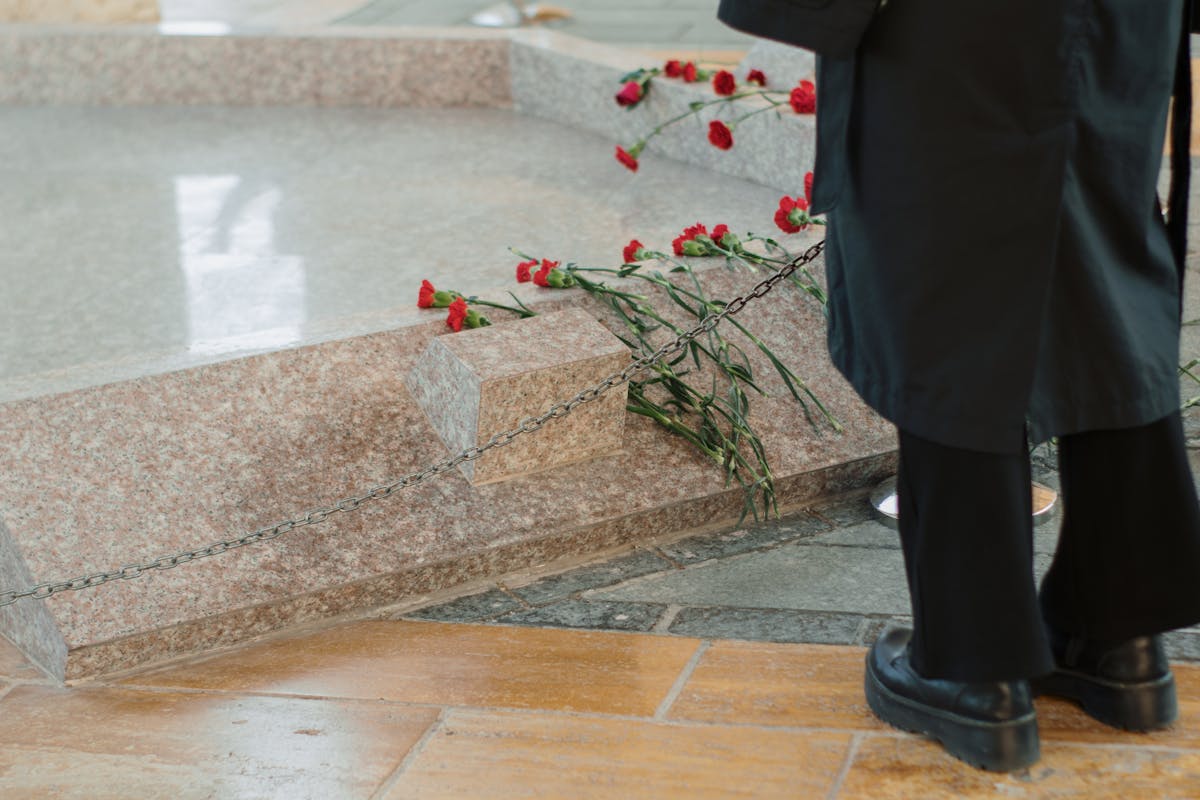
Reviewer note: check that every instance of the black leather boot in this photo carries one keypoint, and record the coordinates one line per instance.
(1126, 684)
(990, 725)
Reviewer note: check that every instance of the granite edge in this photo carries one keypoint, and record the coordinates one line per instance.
(362, 597)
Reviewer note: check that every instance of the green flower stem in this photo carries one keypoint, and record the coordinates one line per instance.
(524, 311)
(697, 106)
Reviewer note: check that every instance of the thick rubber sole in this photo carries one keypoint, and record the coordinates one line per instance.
(1142, 706)
(993, 746)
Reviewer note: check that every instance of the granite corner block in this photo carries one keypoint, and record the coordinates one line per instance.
(475, 384)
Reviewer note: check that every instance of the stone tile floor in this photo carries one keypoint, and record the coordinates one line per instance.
(413, 709)
(832, 574)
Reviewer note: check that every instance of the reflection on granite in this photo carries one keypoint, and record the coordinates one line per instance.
(106, 476)
(485, 381)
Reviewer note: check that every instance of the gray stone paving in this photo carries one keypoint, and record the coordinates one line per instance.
(826, 575)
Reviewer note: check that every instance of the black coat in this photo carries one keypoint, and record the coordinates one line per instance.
(996, 254)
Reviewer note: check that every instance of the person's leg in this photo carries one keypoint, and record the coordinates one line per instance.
(1128, 557)
(1127, 567)
(960, 676)
(966, 526)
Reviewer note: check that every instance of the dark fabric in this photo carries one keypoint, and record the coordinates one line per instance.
(996, 256)
(1128, 559)
(1127, 563)
(1181, 143)
(832, 27)
(967, 533)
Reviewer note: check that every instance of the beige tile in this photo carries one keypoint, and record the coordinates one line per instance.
(472, 665)
(777, 684)
(888, 767)
(101, 743)
(508, 755)
(1061, 720)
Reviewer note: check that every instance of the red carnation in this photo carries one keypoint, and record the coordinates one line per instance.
(808, 184)
(458, 314)
(632, 251)
(541, 277)
(523, 274)
(756, 76)
(720, 135)
(673, 69)
(630, 94)
(724, 83)
(804, 98)
(792, 214)
(628, 160)
(718, 233)
(689, 72)
(425, 295)
(689, 233)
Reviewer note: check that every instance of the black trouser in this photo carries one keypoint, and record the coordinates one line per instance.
(1127, 563)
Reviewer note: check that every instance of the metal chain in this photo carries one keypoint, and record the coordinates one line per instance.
(527, 425)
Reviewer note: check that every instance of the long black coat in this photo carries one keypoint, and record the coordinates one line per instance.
(996, 254)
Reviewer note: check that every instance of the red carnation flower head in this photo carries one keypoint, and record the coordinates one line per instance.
(792, 214)
(428, 297)
(692, 241)
(541, 277)
(804, 98)
(808, 184)
(630, 95)
(756, 76)
(634, 251)
(718, 233)
(458, 314)
(523, 271)
(673, 69)
(425, 295)
(724, 83)
(629, 158)
(720, 135)
(689, 72)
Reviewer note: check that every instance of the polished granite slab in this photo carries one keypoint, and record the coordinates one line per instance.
(139, 240)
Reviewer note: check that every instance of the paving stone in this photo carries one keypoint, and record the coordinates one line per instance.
(593, 615)
(849, 511)
(469, 609)
(864, 534)
(563, 585)
(1183, 645)
(695, 549)
(768, 625)
(847, 579)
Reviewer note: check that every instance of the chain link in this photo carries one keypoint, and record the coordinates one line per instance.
(528, 425)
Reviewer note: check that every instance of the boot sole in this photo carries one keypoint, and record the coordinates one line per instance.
(1140, 707)
(993, 746)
